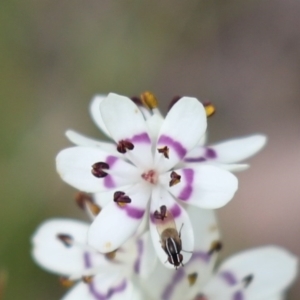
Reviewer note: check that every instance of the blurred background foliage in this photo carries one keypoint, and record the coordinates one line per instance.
(244, 56)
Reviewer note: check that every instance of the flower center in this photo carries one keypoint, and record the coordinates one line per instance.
(150, 176)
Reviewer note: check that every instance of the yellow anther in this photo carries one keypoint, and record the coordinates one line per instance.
(209, 109)
(192, 278)
(111, 255)
(66, 282)
(149, 100)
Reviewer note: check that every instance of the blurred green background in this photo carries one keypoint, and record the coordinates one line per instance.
(244, 56)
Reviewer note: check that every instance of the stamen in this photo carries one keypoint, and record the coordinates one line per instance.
(85, 201)
(97, 169)
(121, 199)
(175, 178)
(66, 239)
(210, 109)
(124, 145)
(247, 280)
(173, 101)
(149, 100)
(164, 150)
(150, 176)
(137, 101)
(216, 246)
(192, 278)
(87, 279)
(111, 255)
(200, 297)
(66, 282)
(162, 214)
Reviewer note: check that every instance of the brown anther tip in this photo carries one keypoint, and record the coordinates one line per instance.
(192, 278)
(175, 178)
(137, 100)
(97, 169)
(66, 239)
(111, 255)
(247, 280)
(66, 282)
(121, 199)
(200, 297)
(124, 145)
(216, 246)
(87, 279)
(210, 109)
(164, 150)
(162, 214)
(149, 100)
(173, 101)
(81, 198)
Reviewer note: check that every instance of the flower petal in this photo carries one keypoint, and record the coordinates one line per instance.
(181, 224)
(81, 140)
(125, 121)
(271, 270)
(184, 126)
(52, 254)
(102, 288)
(204, 186)
(231, 151)
(115, 224)
(75, 165)
(154, 124)
(96, 114)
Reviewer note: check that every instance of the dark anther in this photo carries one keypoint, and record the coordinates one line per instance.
(200, 297)
(97, 169)
(65, 239)
(162, 214)
(111, 255)
(137, 101)
(124, 145)
(192, 278)
(87, 279)
(164, 150)
(121, 199)
(247, 280)
(175, 178)
(173, 101)
(216, 246)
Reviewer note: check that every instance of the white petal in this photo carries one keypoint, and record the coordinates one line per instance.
(182, 224)
(204, 186)
(75, 164)
(102, 288)
(96, 114)
(154, 124)
(146, 259)
(81, 140)
(227, 152)
(273, 270)
(51, 253)
(115, 224)
(181, 131)
(125, 121)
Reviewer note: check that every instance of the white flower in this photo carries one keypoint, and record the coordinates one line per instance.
(59, 246)
(258, 274)
(147, 162)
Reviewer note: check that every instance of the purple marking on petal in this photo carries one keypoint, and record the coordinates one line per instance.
(210, 153)
(111, 291)
(110, 160)
(131, 211)
(175, 145)
(109, 182)
(195, 159)
(140, 249)
(238, 295)
(204, 256)
(175, 210)
(141, 138)
(186, 192)
(228, 277)
(176, 278)
(87, 260)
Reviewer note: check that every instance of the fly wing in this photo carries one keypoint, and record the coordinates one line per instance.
(165, 222)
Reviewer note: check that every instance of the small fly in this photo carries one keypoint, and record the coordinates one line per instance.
(169, 236)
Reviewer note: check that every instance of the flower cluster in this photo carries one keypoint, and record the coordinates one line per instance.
(152, 191)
